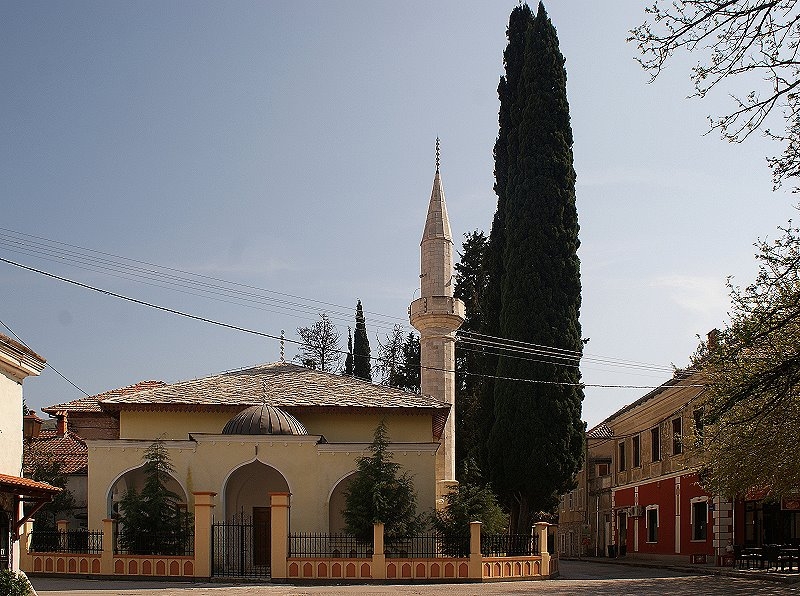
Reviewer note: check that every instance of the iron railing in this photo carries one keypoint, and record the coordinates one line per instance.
(241, 548)
(69, 541)
(318, 545)
(427, 546)
(170, 543)
(509, 545)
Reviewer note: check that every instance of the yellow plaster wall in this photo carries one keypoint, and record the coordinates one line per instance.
(10, 425)
(349, 428)
(170, 425)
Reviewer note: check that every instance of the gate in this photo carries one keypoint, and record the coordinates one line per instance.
(241, 545)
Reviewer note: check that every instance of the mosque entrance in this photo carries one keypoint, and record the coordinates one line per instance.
(261, 535)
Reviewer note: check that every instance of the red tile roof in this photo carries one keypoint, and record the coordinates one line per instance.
(25, 486)
(69, 450)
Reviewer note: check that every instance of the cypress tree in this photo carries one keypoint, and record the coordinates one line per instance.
(507, 91)
(540, 292)
(362, 363)
(348, 361)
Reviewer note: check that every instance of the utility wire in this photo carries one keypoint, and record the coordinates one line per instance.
(50, 366)
(284, 339)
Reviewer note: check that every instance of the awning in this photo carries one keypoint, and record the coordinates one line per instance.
(25, 489)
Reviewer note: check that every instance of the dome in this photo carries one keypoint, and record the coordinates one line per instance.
(264, 420)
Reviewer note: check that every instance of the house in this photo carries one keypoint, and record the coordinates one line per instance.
(16, 363)
(639, 492)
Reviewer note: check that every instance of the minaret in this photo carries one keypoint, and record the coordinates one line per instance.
(437, 315)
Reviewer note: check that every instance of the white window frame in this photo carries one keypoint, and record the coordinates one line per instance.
(647, 511)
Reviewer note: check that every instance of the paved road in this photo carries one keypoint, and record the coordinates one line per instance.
(581, 578)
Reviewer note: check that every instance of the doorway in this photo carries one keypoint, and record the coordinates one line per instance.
(261, 535)
(622, 533)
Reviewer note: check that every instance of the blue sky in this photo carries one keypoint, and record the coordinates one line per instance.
(290, 146)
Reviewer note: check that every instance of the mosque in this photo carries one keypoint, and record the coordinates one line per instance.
(284, 428)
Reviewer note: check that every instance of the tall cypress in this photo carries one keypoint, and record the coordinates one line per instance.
(362, 363)
(507, 91)
(348, 361)
(535, 444)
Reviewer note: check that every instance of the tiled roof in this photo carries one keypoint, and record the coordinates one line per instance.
(92, 402)
(280, 384)
(601, 431)
(25, 486)
(69, 449)
(14, 346)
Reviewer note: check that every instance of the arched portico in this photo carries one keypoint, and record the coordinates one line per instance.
(336, 504)
(247, 488)
(135, 479)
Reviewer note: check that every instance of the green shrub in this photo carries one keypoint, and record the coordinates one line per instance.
(13, 584)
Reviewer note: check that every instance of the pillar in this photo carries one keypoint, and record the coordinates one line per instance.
(541, 530)
(378, 556)
(24, 544)
(203, 519)
(279, 539)
(475, 556)
(107, 558)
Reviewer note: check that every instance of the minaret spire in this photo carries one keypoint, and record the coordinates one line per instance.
(437, 315)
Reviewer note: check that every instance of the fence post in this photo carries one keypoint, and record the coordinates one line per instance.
(378, 554)
(107, 558)
(475, 556)
(203, 516)
(541, 530)
(62, 525)
(279, 540)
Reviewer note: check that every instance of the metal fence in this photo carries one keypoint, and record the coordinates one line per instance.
(241, 547)
(318, 545)
(69, 541)
(509, 545)
(427, 546)
(170, 543)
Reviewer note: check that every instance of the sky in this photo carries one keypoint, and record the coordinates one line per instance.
(289, 146)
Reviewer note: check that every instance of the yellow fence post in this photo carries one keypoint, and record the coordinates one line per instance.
(475, 557)
(378, 554)
(279, 519)
(24, 545)
(203, 516)
(541, 530)
(107, 558)
(62, 525)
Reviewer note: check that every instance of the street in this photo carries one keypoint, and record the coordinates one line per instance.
(577, 577)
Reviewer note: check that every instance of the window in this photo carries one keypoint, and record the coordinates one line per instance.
(622, 456)
(698, 426)
(699, 520)
(571, 501)
(637, 456)
(652, 523)
(602, 470)
(677, 443)
(655, 443)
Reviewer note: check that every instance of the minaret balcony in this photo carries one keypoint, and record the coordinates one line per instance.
(436, 312)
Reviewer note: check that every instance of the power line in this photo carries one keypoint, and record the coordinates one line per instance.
(281, 337)
(50, 366)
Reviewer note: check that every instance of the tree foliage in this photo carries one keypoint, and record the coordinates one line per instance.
(151, 521)
(540, 290)
(362, 360)
(348, 361)
(320, 348)
(381, 492)
(399, 360)
(752, 414)
(62, 504)
(470, 500)
(470, 286)
(754, 43)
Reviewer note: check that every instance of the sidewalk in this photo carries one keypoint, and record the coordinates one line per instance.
(772, 575)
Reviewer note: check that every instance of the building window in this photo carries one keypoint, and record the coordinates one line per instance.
(622, 456)
(637, 456)
(677, 431)
(698, 426)
(651, 520)
(571, 501)
(699, 520)
(602, 470)
(655, 443)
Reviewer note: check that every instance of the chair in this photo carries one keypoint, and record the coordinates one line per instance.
(771, 556)
(738, 556)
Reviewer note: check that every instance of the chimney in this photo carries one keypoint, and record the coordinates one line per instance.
(713, 340)
(61, 423)
(31, 425)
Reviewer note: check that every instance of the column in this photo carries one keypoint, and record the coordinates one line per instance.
(203, 519)
(107, 558)
(279, 545)
(475, 556)
(541, 530)
(378, 556)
